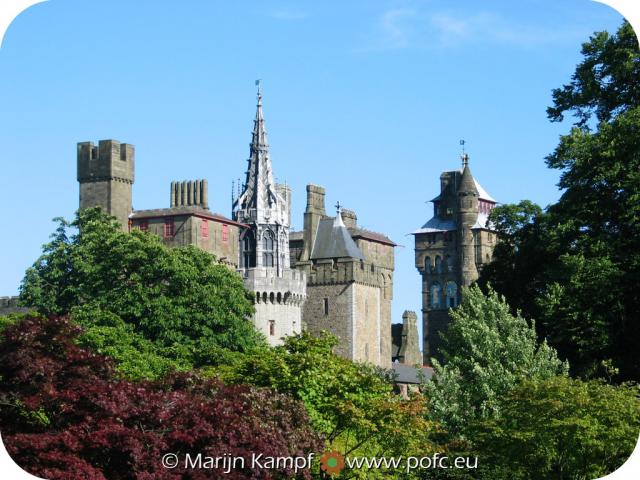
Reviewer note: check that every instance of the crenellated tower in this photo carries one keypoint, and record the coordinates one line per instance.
(264, 207)
(106, 176)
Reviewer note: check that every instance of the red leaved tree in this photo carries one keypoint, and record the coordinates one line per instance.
(64, 414)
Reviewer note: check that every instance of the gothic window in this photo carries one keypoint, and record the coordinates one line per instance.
(428, 267)
(267, 248)
(204, 228)
(435, 292)
(168, 227)
(438, 264)
(452, 294)
(248, 251)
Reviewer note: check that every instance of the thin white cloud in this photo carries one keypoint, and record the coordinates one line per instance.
(404, 28)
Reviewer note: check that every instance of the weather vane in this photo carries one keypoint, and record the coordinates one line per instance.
(464, 156)
(338, 207)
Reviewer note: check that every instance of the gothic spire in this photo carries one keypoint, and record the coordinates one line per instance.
(259, 189)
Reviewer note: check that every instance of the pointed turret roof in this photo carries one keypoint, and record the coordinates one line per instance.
(467, 182)
(259, 190)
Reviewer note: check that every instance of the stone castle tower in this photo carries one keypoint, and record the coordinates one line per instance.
(106, 176)
(405, 340)
(264, 207)
(451, 248)
(349, 274)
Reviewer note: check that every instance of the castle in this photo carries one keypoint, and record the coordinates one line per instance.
(331, 276)
(451, 249)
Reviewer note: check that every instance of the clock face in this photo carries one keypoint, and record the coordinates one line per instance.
(452, 289)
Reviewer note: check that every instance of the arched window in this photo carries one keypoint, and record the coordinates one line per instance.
(248, 251)
(267, 248)
(438, 264)
(428, 267)
(452, 294)
(267, 240)
(435, 293)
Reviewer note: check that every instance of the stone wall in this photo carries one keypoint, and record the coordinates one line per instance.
(10, 305)
(336, 318)
(367, 326)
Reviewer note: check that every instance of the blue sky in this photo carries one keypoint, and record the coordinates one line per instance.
(367, 98)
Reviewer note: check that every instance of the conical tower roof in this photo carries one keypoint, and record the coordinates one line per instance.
(467, 182)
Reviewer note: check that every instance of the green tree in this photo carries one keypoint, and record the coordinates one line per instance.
(576, 266)
(561, 428)
(351, 404)
(129, 289)
(486, 351)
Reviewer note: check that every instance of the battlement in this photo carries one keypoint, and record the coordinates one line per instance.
(11, 305)
(189, 193)
(106, 175)
(109, 160)
(344, 270)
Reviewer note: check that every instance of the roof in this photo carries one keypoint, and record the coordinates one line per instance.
(334, 241)
(436, 225)
(183, 210)
(410, 374)
(483, 221)
(370, 235)
(482, 194)
(467, 182)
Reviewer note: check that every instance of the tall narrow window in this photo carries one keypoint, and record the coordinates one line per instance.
(248, 251)
(272, 327)
(267, 248)
(438, 264)
(144, 225)
(169, 227)
(427, 264)
(452, 294)
(204, 227)
(326, 306)
(435, 293)
(225, 233)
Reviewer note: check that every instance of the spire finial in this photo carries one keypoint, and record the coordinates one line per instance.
(338, 207)
(259, 93)
(464, 156)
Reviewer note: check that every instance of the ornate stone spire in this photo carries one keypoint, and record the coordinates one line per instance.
(259, 192)
(263, 205)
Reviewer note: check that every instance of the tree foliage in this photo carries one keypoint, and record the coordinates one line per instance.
(129, 286)
(486, 351)
(561, 428)
(605, 83)
(351, 404)
(576, 266)
(63, 414)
